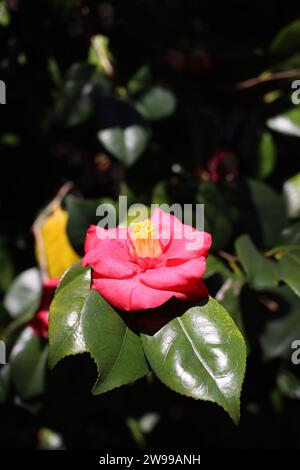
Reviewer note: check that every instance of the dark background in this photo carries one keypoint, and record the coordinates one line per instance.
(217, 45)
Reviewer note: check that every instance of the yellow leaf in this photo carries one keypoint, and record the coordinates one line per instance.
(57, 250)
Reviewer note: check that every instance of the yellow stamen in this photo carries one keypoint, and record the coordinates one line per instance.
(145, 240)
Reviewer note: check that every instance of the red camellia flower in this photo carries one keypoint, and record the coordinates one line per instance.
(39, 323)
(147, 264)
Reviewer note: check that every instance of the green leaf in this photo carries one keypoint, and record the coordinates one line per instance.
(290, 270)
(10, 140)
(261, 272)
(157, 103)
(277, 338)
(229, 297)
(291, 234)
(218, 214)
(215, 265)
(4, 14)
(287, 123)
(24, 294)
(261, 212)
(288, 384)
(201, 354)
(287, 42)
(115, 348)
(66, 311)
(291, 63)
(127, 144)
(28, 360)
(267, 156)
(141, 79)
(70, 275)
(291, 192)
(83, 213)
(75, 103)
(82, 321)
(160, 193)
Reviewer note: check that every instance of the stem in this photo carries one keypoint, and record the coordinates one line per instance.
(267, 77)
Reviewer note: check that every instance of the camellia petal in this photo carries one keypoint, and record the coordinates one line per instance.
(131, 294)
(111, 259)
(173, 276)
(96, 234)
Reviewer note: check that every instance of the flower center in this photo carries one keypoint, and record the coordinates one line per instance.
(144, 239)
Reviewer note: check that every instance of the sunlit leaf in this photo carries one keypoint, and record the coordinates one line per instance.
(286, 123)
(200, 354)
(127, 145)
(24, 293)
(291, 192)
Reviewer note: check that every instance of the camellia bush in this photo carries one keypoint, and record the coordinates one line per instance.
(195, 349)
(119, 335)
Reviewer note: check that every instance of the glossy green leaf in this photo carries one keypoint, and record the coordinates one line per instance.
(291, 192)
(261, 272)
(287, 123)
(229, 297)
(201, 354)
(125, 144)
(67, 308)
(157, 103)
(28, 361)
(24, 294)
(290, 270)
(82, 321)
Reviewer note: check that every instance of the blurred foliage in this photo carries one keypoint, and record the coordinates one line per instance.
(164, 101)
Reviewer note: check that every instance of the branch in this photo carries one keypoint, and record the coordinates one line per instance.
(267, 77)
